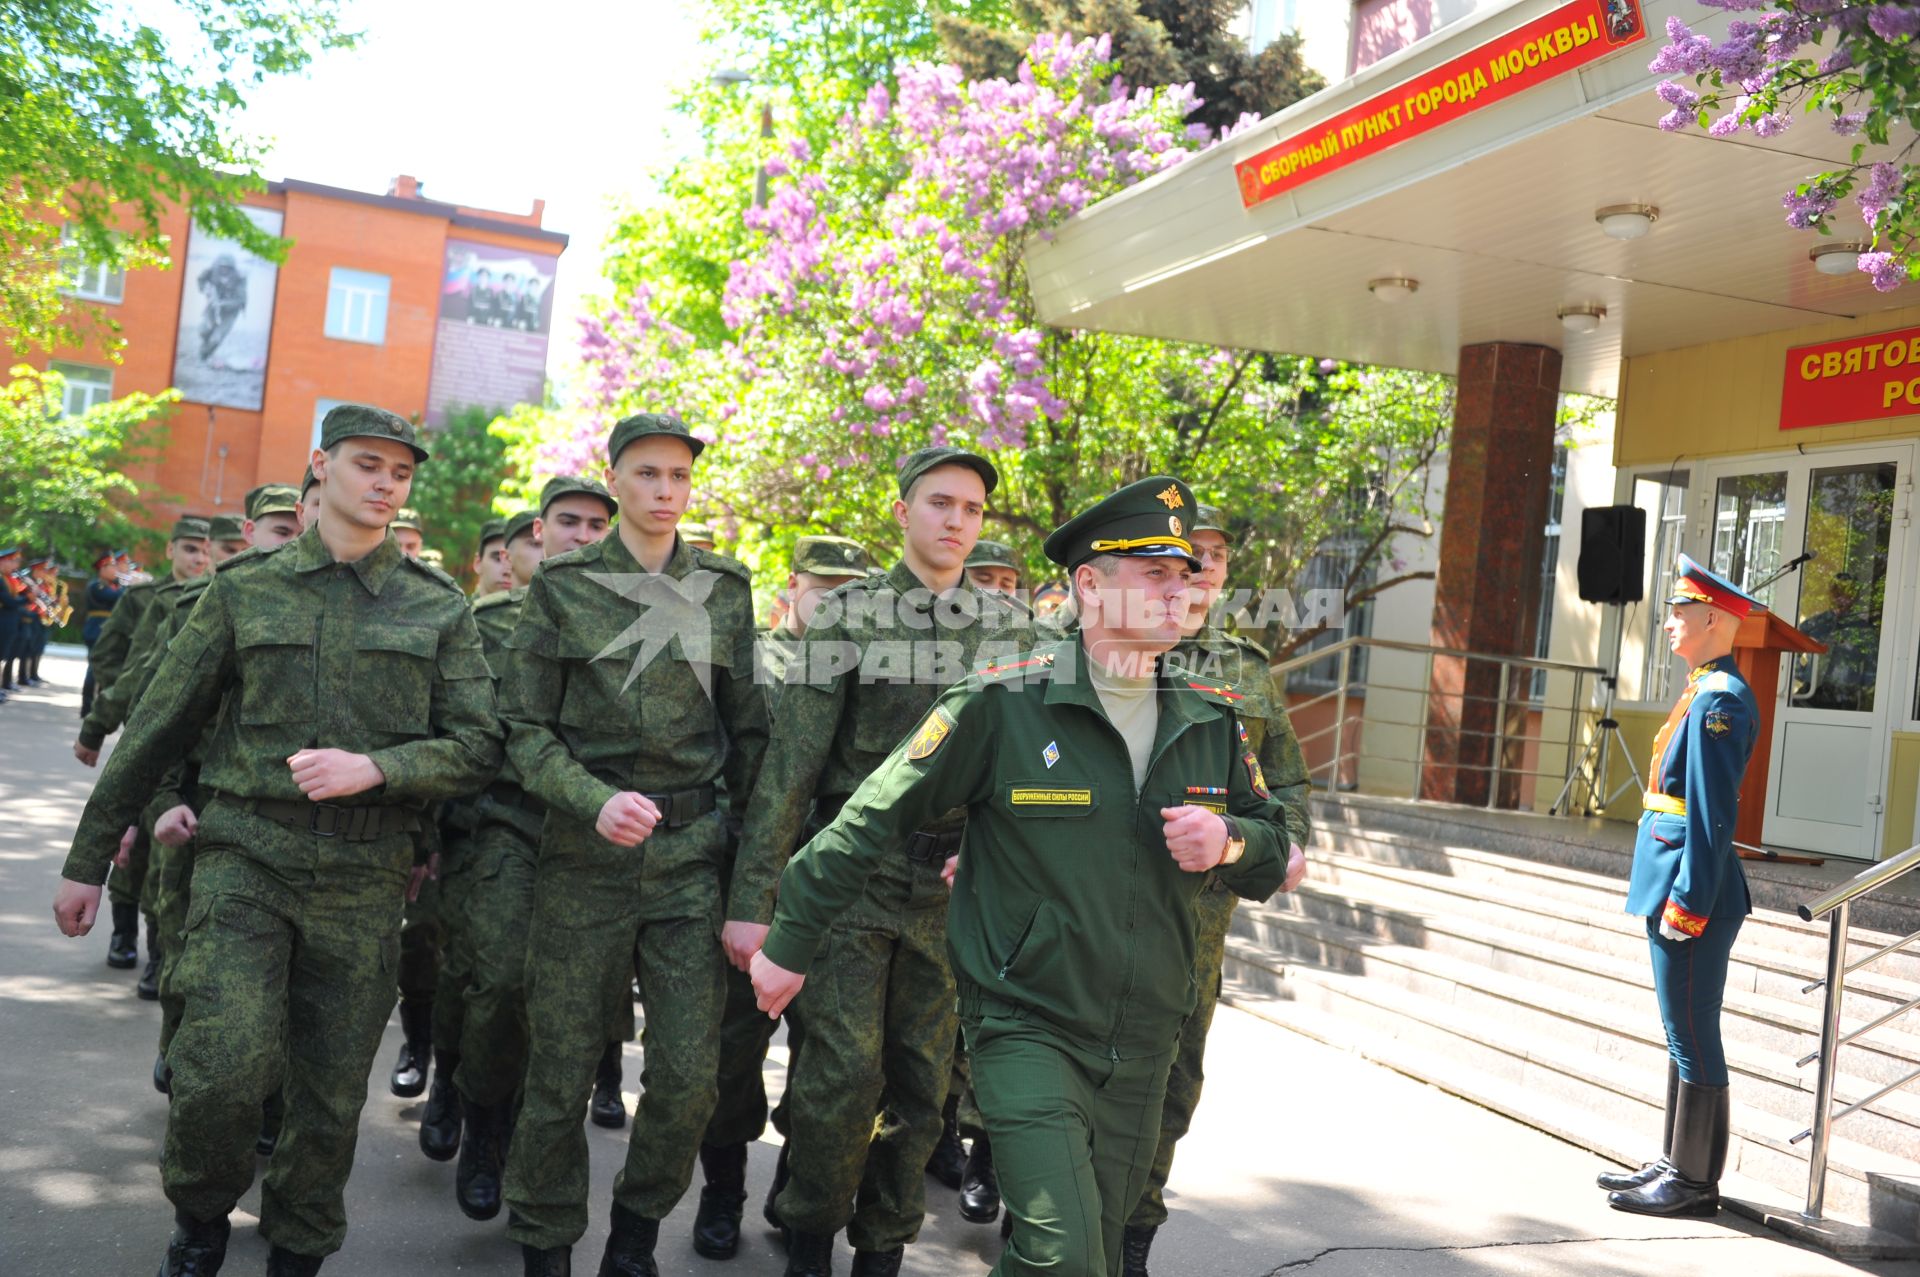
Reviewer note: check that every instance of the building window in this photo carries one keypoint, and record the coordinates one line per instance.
(357, 306)
(1549, 568)
(321, 407)
(1267, 20)
(90, 281)
(1664, 497)
(1328, 570)
(87, 386)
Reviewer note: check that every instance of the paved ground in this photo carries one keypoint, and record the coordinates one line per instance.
(1302, 1160)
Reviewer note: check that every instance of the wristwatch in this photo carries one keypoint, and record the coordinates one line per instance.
(1236, 842)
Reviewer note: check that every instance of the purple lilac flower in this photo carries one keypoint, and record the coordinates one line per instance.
(1886, 269)
(1894, 22)
(1884, 183)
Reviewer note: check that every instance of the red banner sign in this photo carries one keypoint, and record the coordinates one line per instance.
(1571, 36)
(1856, 379)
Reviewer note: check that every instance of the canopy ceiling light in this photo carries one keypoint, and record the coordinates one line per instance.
(1393, 289)
(1626, 221)
(1583, 318)
(1837, 259)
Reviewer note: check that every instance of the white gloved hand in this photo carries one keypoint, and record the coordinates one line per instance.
(1670, 932)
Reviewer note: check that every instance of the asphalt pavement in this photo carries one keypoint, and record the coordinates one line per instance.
(1302, 1160)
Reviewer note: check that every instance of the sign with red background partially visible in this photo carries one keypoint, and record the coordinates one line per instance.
(1854, 379)
(1552, 45)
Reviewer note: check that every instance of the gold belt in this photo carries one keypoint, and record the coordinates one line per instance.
(1666, 804)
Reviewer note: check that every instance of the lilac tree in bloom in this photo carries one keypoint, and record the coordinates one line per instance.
(1854, 61)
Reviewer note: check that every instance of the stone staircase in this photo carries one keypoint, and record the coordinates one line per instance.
(1487, 954)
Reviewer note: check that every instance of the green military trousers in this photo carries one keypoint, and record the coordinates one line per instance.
(1074, 1133)
(491, 887)
(877, 1014)
(456, 954)
(1213, 916)
(292, 947)
(172, 871)
(598, 912)
(746, 1034)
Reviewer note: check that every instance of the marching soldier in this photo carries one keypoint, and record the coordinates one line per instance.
(993, 567)
(408, 532)
(1100, 792)
(492, 573)
(620, 720)
(309, 499)
(356, 695)
(1688, 884)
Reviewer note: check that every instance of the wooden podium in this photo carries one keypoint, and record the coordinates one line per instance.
(1757, 648)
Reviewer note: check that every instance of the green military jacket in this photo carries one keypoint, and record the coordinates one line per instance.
(109, 652)
(1067, 906)
(776, 650)
(1216, 654)
(839, 717)
(604, 690)
(494, 616)
(115, 700)
(376, 657)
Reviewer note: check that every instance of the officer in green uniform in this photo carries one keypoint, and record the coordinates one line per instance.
(1209, 653)
(1100, 792)
(493, 886)
(629, 689)
(356, 695)
(821, 564)
(129, 631)
(879, 1025)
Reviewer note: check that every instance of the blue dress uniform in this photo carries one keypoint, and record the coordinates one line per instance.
(100, 598)
(13, 616)
(1688, 884)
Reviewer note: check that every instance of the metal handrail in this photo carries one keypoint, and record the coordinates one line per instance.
(1305, 659)
(1837, 906)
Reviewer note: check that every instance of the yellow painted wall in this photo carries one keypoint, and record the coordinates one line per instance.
(1638, 727)
(1723, 398)
(1901, 830)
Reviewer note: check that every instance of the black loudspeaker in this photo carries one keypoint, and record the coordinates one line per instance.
(1613, 554)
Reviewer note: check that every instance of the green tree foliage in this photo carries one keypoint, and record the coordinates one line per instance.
(64, 486)
(454, 491)
(106, 120)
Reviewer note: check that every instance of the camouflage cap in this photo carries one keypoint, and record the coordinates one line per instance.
(227, 527)
(567, 485)
(407, 517)
(1147, 519)
(272, 498)
(520, 524)
(992, 554)
(492, 530)
(431, 557)
(190, 527)
(361, 421)
(918, 463)
(1209, 518)
(691, 530)
(306, 482)
(831, 556)
(643, 424)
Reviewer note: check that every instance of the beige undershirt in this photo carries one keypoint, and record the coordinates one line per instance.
(1133, 707)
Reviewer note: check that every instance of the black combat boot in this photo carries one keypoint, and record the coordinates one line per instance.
(877, 1263)
(716, 1225)
(557, 1262)
(197, 1248)
(608, 1109)
(410, 1068)
(949, 1161)
(809, 1254)
(440, 1124)
(1135, 1241)
(629, 1251)
(1614, 1181)
(980, 1187)
(767, 1211)
(476, 1180)
(1690, 1184)
(148, 986)
(123, 946)
(162, 1075)
(284, 1263)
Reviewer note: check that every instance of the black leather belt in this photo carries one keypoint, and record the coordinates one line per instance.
(508, 794)
(330, 820)
(678, 810)
(923, 846)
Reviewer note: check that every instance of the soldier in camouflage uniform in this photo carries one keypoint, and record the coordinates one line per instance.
(492, 573)
(408, 530)
(1208, 653)
(493, 881)
(358, 695)
(130, 631)
(879, 1022)
(620, 720)
(309, 499)
(821, 564)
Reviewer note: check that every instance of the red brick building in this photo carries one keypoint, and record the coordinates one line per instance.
(397, 300)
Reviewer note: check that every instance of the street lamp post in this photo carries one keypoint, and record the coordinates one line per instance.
(729, 78)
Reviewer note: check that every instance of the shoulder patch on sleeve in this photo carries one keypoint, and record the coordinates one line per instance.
(931, 735)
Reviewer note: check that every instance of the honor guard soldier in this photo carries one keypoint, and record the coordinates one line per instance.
(355, 694)
(1100, 793)
(1688, 884)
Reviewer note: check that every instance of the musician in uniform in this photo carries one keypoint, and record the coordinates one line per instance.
(102, 593)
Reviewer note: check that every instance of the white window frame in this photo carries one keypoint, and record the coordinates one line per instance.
(89, 281)
(321, 407)
(88, 386)
(356, 309)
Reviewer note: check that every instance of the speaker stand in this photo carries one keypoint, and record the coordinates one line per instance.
(1599, 751)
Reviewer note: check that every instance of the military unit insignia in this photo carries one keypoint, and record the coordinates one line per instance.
(932, 734)
(1718, 721)
(1254, 775)
(1051, 754)
(1171, 497)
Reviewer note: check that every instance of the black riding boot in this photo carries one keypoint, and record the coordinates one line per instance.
(1135, 1241)
(948, 1164)
(410, 1068)
(197, 1248)
(440, 1124)
(1614, 1181)
(980, 1187)
(1690, 1186)
(716, 1225)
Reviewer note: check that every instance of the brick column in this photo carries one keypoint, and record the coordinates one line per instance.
(1499, 476)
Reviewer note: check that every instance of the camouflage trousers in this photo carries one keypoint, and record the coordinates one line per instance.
(878, 1014)
(490, 888)
(746, 1033)
(456, 952)
(1213, 915)
(287, 974)
(172, 872)
(598, 912)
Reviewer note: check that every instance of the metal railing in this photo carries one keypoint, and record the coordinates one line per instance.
(1504, 742)
(1836, 906)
